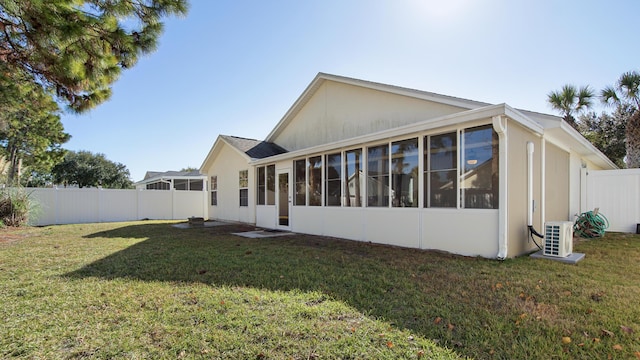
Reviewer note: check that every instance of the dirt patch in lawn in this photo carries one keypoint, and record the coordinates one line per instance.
(9, 235)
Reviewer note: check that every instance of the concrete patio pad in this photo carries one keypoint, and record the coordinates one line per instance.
(571, 259)
(263, 234)
(205, 224)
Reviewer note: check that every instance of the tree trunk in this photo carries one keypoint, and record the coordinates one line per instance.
(13, 175)
(632, 137)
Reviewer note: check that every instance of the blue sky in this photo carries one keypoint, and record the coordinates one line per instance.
(235, 67)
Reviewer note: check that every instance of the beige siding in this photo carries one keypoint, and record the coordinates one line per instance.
(340, 111)
(556, 189)
(226, 166)
(517, 188)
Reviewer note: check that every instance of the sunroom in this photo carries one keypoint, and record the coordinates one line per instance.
(427, 185)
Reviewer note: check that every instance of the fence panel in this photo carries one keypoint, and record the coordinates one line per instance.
(184, 206)
(155, 204)
(72, 206)
(45, 208)
(118, 205)
(617, 194)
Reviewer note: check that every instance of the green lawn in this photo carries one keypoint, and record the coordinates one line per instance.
(148, 290)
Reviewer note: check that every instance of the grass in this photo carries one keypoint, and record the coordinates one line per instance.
(148, 290)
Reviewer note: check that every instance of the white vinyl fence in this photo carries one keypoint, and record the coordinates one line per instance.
(617, 194)
(74, 206)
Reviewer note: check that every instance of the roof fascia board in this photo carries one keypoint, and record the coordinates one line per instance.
(398, 90)
(486, 112)
(297, 105)
(523, 119)
(211, 154)
(240, 152)
(586, 143)
(214, 150)
(199, 177)
(555, 122)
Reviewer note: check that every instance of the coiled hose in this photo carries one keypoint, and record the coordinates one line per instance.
(590, 224)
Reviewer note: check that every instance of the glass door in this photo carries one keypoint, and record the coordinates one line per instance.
(284, 200)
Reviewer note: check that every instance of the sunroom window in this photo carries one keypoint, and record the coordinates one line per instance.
(378, 176)
(404, 171)
(315, 181)
(479, 163)
(441, 170)
(333, 183)
(266, 185)
(271, 185)
(354, 186)
(300, 167)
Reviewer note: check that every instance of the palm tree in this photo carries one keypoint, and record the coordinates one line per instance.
(570, 100)
(627, 91)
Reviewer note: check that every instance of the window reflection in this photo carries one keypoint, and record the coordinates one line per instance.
(441, 165)
(479, 181)
(354, 180)
(333, 180)
(315, 181)
(404, 166)
(378, 176)
(271, 185)
(301, 182)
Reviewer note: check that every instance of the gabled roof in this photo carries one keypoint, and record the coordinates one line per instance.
(551, 127)
(152, 176)
(323, 77)
(165, 174)
(255, 149)
(250, 149)
(558, 131)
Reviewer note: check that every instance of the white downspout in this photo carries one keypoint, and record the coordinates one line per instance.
(500, 127)
(543, 181)
(530, 203)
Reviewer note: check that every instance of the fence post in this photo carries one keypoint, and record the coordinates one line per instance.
(173, 204)
(56, 204)
(100, 203)
(205, 208)
(138, 217)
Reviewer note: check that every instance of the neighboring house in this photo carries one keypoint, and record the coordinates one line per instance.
(178, 180)
(391, 165)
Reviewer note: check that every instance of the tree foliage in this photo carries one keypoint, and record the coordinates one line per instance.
(607, 132)
(32, 133)
(77, 48)
(86, 169)
(570, 101)
(626, 91)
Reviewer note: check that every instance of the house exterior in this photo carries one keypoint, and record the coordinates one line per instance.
(380, 163)
(177, 180)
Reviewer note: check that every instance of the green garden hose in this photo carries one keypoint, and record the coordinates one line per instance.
(590, 225)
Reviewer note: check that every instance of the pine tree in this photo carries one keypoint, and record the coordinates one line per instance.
(32, 133)
(78, 48)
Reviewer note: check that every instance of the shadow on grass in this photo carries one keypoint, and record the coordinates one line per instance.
(406, 287)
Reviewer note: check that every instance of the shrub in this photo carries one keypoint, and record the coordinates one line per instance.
(14, 207)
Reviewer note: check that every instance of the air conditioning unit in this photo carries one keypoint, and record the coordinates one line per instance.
(558, 238)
